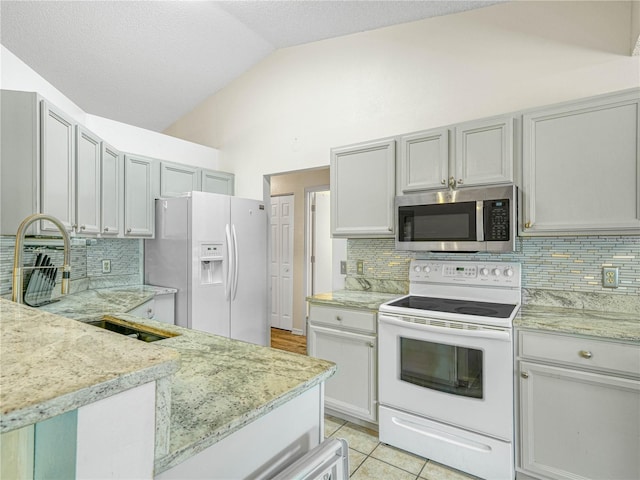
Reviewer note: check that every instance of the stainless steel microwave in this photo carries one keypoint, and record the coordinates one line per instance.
(481, 219)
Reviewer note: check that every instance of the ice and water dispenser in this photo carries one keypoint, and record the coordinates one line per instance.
(211, 263)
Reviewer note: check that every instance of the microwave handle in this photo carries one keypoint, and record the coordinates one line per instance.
(480, 221)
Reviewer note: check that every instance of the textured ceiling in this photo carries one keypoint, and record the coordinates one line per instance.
(147, 63)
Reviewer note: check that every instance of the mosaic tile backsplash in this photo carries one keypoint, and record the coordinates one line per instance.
(125, 256)
(548, 263)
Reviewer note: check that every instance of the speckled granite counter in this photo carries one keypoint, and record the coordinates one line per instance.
(353, 298)
(223, 385)
(611, 325)
(51, 364)
(92, 304)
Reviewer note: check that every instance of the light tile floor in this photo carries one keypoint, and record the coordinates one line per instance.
(371, 460)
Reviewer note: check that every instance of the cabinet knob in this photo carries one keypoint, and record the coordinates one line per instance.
(443, 181)
(82, 227)
(527, 225)
(128, 230)
(338, 318)
(524, 374)
(371, 345)
(585, 354)
(460, 181)
(452, 182)
(390, 229)
(106, 229)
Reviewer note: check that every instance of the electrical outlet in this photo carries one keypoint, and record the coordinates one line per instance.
(360, 267)
(106, 266)
(343, 267)
(610, 277)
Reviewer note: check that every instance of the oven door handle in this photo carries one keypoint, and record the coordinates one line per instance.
(504, 335)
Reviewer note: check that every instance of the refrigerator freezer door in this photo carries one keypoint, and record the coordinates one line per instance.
(249, 293)
(209, 307)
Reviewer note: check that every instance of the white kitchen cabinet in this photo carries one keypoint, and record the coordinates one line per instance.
(37, 163)
(363, 190)
(579, 407)
(424, 160)
(160, 308)
(217, 182)
(581, 167)
(481, 153)
(87, 184)
(140, 191)
(347, 337)
(111, 193)
(176, 179)
(484, 152)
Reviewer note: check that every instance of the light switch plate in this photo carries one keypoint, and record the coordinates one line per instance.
(106, 266)
(343, 267)
(610, 277)
(360, 267)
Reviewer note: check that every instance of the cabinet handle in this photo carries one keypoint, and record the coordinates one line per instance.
(527, 225)
(585, 354)
(371, 345)
(524, 374)
(390, 229)
(460, 181)
(443, 181)
(339, 318)
(82, 227)
(452, 182)
(128, 230)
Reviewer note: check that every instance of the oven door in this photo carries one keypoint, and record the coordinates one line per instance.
(462, 377)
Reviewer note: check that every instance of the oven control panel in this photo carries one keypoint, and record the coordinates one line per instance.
(469, 273)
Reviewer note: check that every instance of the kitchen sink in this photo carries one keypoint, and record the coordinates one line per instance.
(133, 330)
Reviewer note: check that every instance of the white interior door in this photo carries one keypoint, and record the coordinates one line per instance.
(282, 262)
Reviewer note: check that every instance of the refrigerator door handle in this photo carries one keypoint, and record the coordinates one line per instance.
(236, 261)
(227, 284)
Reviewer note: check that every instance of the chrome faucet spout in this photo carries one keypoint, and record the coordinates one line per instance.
(18, 278)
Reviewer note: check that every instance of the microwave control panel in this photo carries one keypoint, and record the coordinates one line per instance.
(496, 220)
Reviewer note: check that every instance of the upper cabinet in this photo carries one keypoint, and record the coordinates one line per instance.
(111, 191)
(468, 154)
(217, 182)
(581, 167)
(37, 163)
(363, 189)
(140, 187)
(176, 179)
(88, 152)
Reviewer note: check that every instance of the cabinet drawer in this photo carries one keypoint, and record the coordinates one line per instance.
(588, 353)
(362, 320)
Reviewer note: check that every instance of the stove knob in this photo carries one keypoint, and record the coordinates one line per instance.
(427, 269)
(484, 271)
(496, 272)
(508, 272)
(417, 268)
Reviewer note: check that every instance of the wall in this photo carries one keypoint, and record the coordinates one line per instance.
(288, 111)
(16, 75)
(550, 264)
(295, 183)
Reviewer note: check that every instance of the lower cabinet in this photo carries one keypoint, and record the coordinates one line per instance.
(348, 338)
(160, 308)
(579, 415)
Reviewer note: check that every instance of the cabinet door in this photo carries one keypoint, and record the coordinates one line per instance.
(576, 424)
(57, 167)
(110, 192)
(88, 151)
(484, 152)
(217, 182)
(139, 196)
(176, 179)
(424, 160)
(581, 167)
(363, 190)
(352, 389)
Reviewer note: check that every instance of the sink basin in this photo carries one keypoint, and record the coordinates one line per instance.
(133, 330)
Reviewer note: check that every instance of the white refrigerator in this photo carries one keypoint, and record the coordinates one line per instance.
(213, 249)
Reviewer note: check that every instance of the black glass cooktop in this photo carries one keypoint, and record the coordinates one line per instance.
(462, 307)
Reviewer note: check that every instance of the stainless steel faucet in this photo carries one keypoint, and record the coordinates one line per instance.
(16, 288)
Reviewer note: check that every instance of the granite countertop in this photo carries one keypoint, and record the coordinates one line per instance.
(90, 305)
(609, 325)
(51, 365)
(224, 384)
(353, 298)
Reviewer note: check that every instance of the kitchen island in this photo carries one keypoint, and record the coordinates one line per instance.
(222, 390)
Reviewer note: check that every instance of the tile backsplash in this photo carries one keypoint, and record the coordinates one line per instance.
(548, 263)
(125, 255)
